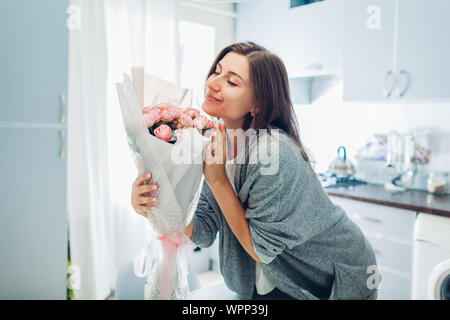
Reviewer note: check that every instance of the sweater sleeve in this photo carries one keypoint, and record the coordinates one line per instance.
(275, 208)
(206, 222)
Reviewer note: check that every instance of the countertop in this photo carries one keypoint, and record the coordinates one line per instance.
(420, 201)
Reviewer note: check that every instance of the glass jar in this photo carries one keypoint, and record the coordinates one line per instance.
(437, 182)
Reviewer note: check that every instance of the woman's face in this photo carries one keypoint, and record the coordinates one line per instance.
(230, 86)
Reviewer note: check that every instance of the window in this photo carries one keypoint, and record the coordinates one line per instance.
(197, 48)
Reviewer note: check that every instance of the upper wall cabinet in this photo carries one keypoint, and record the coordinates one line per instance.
(368, 48)
(33, 60)
(315, 38)
(266, 23)
(307, 38)
(423, 50)
(396, 50)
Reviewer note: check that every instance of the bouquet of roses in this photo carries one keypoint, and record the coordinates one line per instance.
(167, 122)
(168, 141)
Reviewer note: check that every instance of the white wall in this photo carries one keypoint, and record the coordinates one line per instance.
(328, 123)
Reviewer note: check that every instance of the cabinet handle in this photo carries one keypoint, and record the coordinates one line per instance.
(404, 75)
(388, 92)
(62, 153)
(62, 99)
(359, 217)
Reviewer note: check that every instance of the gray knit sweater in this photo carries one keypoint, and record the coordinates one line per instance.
(309, 247)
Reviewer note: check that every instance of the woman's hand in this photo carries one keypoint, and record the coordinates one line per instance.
(141, 194)
(216, 156)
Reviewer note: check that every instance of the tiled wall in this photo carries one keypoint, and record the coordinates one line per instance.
(328, 122)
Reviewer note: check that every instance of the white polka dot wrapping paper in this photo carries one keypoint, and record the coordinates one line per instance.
(177, 169)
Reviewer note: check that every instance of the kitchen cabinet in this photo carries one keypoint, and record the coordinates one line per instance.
(33, 60)
(390, 232)
(395, 50)
(266, 23)
(315, 38)
(367, 53)
(307, 38)
(33, 241)
(423, 49)
(33, 132)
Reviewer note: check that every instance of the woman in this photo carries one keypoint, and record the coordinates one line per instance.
(280, 236)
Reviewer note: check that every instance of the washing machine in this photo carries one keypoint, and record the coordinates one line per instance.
(431, 258)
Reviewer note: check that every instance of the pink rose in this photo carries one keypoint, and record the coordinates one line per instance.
(192, 112)
(163, 132)
(169, 114)
(200, 122)
(148, 109)
(210, 124)
(186, 120)
(151, 116)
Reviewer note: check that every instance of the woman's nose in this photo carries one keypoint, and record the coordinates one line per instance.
(213, 84)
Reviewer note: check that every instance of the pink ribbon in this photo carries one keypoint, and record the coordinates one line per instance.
(171, 244)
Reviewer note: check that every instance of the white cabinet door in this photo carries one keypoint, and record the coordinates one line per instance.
(264, 22)
(33, 218)
(368, 49)
(394, 223)
(423, 49)
(389, 232)
(315, 37)
(33, 60)
(396, 50)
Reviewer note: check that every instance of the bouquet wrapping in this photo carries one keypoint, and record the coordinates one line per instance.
(176, 164)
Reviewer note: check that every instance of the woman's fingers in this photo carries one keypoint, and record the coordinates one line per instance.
(208, 154)
(146, 188)
(141, 178)
(141, 200)
(211, 154)
(213, 145)
(220, 144)
(145, 200)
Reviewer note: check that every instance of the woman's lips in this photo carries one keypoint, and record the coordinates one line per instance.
(211, 98)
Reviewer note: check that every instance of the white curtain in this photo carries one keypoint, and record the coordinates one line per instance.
(114, 35)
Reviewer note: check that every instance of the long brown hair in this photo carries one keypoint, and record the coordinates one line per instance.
(270, 91)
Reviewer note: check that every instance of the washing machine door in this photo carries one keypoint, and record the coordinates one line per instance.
(439, 282)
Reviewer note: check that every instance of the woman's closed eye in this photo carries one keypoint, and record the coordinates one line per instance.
(233, 84)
